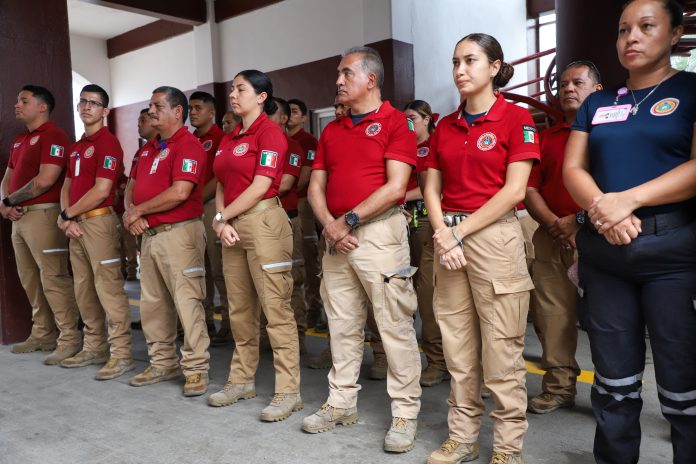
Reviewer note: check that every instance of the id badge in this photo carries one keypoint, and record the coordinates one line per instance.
(77, 167)
(155, 163)
(610, 114)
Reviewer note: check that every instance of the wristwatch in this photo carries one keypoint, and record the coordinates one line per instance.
(580, 217)
(352, 219)
(218, 218)
(6, 201)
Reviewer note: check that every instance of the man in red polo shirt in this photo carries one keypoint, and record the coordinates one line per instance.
(559, 218)
(295, 125)
(167, 209)
(88, 219)
(356, 199)
(202, 116)
(30, 199)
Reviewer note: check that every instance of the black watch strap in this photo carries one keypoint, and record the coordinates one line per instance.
(6, 201)
(65, 216)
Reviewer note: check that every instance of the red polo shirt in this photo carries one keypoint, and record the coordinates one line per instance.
(181, 157)
(99, 155)
(474, 160)
(292, 167)
(354, 156)
(309, 146)
(259, 151)
(547, 176)
(211, 141)
(47, 144)
(422, 154)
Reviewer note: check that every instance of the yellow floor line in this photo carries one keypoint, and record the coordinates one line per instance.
(532, 367)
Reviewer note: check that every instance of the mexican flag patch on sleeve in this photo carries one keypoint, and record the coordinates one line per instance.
(110, 163)
(190, 166)
(529, 134)
(57, 151)
(268, 159)
(294, 159)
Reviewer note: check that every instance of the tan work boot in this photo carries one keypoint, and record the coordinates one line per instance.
(116, 367)
(502, 458)
(453, 452)
(85, 358)
(327, 417)
(401, 436)
(282, 405)
(153, 375)
(61, 353)
(196, 384)
(378, 369)
(433, 375)
(548, 402)
(31, 344)
(231, 393)
(323, 361)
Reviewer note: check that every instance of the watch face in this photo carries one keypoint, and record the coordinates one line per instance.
(580, 217)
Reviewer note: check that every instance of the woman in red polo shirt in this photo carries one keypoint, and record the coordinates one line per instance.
(480, 160)
(257, 247)
(421, 241)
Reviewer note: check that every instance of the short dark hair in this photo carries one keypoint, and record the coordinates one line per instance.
(42, 94)
(144, 110)
(94, 88)
(591, 69)
(174, 97)
(261, 84)
(283, 106)
(300, 104)
(205, 97)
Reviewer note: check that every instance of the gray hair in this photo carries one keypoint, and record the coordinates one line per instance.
(371, 62)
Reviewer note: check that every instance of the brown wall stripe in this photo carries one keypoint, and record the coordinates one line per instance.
(143, 36)
(225, 9)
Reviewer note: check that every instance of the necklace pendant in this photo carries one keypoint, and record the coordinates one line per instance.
(634, 110)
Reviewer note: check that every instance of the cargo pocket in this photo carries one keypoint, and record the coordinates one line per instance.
(400, 302)
(511, 305)
(194, 277)
(277, 279)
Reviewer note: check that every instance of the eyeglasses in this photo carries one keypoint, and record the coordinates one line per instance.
(93, 103)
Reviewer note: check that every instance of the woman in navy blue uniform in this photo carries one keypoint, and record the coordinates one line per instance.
(630, 164)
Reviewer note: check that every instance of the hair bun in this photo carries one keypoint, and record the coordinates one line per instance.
(504, 75)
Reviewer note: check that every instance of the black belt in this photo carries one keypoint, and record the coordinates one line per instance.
(292, 213)
(659, 223)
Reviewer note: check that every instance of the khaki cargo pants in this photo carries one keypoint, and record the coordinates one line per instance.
(482, 313)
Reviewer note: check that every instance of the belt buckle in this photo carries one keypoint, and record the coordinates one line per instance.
(448, 220)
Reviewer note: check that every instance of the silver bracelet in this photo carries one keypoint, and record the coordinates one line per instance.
(454, 234)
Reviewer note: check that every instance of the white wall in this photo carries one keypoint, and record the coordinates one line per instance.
(434, 27)
(294, 32)
(89, 59)
(136, 74)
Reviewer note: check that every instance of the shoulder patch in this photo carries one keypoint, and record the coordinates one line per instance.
(57, 151)
(294, 159)
(110, 163)
(529, 134)
(190, 166)
(373, 129)
(268, 159)
(664, 107)
(310, 155)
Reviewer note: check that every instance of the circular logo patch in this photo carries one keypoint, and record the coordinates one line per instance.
(664, 107)
(241, 149)
(34, 139)
(89, 152)
(164, 153)
(423, 152)
(207, 145)
(373, 129)
(487, 141)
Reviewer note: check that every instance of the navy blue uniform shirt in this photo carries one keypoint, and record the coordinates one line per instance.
(645, 146)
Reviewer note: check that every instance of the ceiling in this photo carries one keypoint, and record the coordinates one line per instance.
(102, 22)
